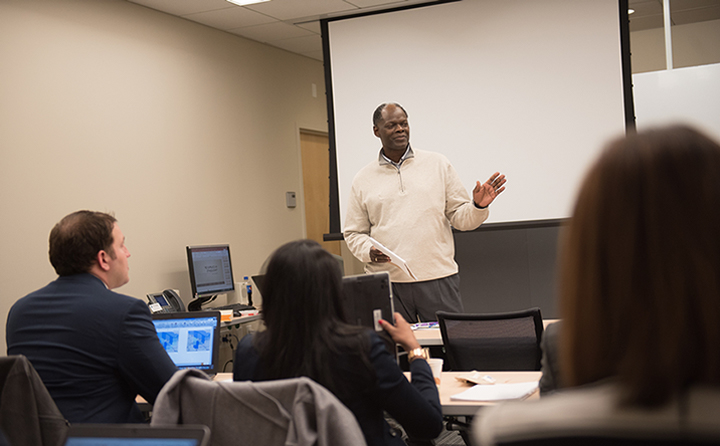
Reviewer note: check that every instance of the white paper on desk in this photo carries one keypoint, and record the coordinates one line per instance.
(497, 392)
(394, 258)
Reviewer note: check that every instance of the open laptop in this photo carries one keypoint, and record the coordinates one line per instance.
(191, 338)
(136, 435)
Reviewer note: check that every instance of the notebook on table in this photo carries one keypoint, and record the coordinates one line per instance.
(191, 338)
(136, 435)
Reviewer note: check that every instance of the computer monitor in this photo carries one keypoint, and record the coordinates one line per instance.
(210, 270)
(191, 338)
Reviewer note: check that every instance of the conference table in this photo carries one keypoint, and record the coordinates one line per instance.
(448, 387)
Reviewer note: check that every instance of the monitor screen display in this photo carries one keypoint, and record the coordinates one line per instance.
(191, 339)
(210, 270)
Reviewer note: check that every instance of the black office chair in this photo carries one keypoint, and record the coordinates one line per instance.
(492, 342)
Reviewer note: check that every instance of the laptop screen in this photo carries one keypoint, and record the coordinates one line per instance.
(191, 338)
(136, 435)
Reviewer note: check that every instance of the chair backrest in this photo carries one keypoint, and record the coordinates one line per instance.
(492, 342)
(28, 414)
(294, 411)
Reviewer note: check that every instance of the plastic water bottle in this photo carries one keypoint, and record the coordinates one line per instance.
(247, 291)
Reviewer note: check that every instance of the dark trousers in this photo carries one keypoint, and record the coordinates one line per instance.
(418, 301)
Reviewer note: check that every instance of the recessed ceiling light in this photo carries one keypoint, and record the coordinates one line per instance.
(246, 2)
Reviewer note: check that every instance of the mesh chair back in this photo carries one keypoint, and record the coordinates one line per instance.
(492, 342)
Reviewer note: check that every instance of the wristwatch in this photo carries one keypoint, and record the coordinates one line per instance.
(418, 353)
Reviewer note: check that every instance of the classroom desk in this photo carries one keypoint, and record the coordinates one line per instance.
(450, 386)
(431, 337)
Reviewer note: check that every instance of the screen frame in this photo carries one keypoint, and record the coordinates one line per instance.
(78, 431)
(215, 355)
(191, 270)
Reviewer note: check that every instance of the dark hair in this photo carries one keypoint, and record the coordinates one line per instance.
(306, 325)
(377, 114)
(640, 268)
(76, 240)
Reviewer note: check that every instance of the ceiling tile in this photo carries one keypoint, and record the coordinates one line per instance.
(183, 7)
(230, 18)
(371, 3)
(291, 10)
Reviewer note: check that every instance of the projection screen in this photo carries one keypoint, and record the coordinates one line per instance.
(530, 88)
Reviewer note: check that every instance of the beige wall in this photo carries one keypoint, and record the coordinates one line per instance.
(188, 134)
(693, 44)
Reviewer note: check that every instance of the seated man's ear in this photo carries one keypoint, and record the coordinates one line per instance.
(103, 260)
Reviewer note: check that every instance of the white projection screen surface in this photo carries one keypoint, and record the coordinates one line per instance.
(530, 88)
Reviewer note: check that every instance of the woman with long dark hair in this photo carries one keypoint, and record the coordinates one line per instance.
(307, 334)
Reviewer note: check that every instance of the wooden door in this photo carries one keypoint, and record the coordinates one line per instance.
(316, 185)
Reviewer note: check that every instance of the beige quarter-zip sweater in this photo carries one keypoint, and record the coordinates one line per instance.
(411, 210)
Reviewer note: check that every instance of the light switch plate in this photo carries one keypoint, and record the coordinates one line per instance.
(290, 199)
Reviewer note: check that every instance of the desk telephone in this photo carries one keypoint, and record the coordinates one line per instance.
(166, 302)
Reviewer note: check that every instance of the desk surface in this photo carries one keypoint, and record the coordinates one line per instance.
(429, 337)
(240, 320)
(449, 386)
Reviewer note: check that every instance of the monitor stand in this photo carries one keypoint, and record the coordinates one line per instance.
(196, 304)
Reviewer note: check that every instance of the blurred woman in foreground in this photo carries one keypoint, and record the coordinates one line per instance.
(639, 300)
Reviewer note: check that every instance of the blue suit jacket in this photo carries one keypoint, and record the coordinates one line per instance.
(94, 349)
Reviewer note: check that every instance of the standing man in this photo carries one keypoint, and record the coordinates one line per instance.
(409, 201)
(94, 349)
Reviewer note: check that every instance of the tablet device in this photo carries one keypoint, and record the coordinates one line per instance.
(136, 435)
(367, 299)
